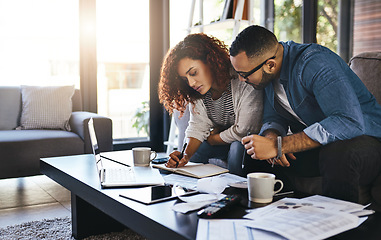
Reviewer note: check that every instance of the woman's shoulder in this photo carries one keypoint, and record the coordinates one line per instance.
(239, 87)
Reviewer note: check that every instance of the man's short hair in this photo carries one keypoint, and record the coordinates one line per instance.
(254, 41)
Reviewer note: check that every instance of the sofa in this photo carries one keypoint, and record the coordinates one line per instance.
(22, 147)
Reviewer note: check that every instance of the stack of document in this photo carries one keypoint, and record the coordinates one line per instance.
(314, 217)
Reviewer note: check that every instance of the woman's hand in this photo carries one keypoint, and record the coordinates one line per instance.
(174, 160)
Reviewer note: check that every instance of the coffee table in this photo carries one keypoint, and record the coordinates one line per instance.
(96, 210)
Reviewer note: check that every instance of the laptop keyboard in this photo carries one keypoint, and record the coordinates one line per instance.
(117, 175)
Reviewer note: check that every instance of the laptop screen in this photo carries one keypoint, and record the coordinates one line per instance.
(94, 143)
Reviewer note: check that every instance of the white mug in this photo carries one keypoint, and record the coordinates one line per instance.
(143, 156)
(261, 187)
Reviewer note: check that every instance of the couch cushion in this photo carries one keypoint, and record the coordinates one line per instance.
(77, 100)
(367, 66)
(10, 107)
(21, 150)
(46, 107)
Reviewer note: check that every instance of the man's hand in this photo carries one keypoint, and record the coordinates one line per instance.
(259, 147)
(265, 148)
(283, 160)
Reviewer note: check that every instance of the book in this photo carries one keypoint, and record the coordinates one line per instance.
(196, 170)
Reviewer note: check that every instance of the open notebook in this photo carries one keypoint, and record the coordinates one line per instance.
(197, 170)
(122, 176)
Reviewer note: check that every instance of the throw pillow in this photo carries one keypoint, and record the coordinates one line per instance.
(46, 107)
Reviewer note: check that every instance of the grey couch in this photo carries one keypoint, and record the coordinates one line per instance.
(21, 150)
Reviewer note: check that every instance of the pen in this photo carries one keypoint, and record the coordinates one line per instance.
(272, 165)
(284, 193)
(181, 154)
(244, 153)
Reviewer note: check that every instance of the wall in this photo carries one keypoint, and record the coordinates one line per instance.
(367, 26)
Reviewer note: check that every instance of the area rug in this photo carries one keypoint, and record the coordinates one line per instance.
(57, 229)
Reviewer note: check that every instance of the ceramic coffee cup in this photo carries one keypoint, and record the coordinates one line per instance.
(261, 187)
(143, 156)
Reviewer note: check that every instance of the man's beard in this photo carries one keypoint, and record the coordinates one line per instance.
(266, 79)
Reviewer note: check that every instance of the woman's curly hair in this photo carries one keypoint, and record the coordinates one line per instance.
(174, 92)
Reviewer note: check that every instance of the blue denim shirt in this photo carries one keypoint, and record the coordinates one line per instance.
(325, 93)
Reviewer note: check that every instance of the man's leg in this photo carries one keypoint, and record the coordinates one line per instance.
(346, 165)
(303, 174)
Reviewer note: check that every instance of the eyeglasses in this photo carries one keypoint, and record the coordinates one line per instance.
(245, 75)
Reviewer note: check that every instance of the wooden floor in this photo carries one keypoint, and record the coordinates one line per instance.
(32, 198)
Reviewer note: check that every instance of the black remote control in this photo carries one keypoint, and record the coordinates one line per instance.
(216, 208)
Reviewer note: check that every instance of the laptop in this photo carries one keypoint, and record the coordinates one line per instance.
(124, 175)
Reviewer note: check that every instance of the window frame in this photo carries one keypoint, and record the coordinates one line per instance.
(159, 45)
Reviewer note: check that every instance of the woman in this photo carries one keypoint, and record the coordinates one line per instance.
(197, 71)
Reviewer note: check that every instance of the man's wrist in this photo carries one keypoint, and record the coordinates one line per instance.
(271, 133)
(271, 136)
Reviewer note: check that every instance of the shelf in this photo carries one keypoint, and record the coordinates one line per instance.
(219, 25)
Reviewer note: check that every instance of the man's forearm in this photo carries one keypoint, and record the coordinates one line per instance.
(298, 142)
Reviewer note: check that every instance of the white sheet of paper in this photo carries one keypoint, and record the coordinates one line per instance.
(333, 204)
(228, 229)
(195, 202)
(296, 220)
(191, 183)
(184, 181)
(230, 178)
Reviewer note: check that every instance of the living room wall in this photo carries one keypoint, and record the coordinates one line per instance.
(367, 26)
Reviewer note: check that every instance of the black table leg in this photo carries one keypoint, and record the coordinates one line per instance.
(88, 220)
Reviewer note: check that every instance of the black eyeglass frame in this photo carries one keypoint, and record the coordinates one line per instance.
(247, 74)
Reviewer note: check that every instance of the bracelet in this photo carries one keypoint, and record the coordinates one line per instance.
(279, 143)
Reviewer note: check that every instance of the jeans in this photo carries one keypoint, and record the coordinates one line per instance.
(347, 165)
(343, 165)
(232, 153)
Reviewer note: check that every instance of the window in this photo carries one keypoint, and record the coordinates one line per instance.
(39, 42)
(288, 20)
(123, 65)
(327, 25)
(179, 17)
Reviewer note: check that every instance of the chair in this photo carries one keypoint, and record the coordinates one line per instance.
(367, 66)
(177, 129)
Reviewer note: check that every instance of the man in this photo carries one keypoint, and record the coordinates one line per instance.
(315, 107)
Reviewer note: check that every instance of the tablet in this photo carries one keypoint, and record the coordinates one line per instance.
(154, 194)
